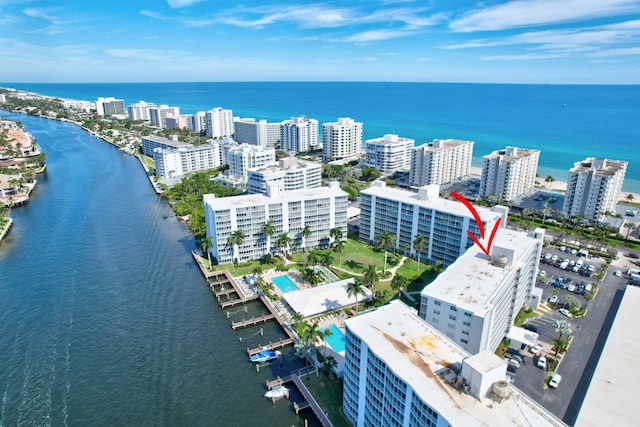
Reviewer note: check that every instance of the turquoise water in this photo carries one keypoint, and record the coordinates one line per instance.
(284, 283)
(566, 122)
(336, 339)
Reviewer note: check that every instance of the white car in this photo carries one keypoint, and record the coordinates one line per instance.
(553, 299)
(535, 349)
(565, 312)
(543, 273)
(555, 380)
(617, 273)
(542, 363)
(514, 362)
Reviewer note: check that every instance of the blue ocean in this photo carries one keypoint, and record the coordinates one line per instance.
(566, 122)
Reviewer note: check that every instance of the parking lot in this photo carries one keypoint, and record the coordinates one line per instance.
(589, 334)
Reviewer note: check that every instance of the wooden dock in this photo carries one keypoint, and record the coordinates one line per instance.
(233, 302)
(282, 342)
(310, 402)
(250, 322)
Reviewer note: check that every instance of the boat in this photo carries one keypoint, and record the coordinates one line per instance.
(277, 392)
(265, 355)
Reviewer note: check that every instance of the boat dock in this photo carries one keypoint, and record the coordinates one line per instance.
(308, 402)
(253, 321)
(282, 342)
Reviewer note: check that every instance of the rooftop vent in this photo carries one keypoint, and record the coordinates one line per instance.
(501, 390)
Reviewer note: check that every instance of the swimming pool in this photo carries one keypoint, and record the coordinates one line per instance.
(284, 283)
(336, 339)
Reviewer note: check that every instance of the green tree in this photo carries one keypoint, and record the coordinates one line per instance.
(370, 276)
(629, 226)
(336, 233)
(326, 258)
(354, 289)
(313, 258)
(236, 239)
(562, 328)
(386, 239)
(571, 302)
(629, 197)
(207, 244)
(419, 243)
(283, 242)
(549, 178)
(306, 233)
(398, 283)
(268, 229)
(339, 247)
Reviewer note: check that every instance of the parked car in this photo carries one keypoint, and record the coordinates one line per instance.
(555, 380)
(574, 251)
(563, 248)
(554, 258)
(617, 273)
(565, 312)
(535, 349)
(542, 363)
(514, 362)
(553, 299)
(543, 273)
(571, 288)
(530, 327)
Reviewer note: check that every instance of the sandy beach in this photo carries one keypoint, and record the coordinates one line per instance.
(558, 185)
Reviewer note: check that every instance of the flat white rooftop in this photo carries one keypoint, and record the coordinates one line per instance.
(611, 399)
(472, 279)
(418, 354)
(321, 299)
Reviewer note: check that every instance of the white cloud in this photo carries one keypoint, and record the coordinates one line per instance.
(616, 52)
(524, 13)
(522, 57)
(376, 35)
(176, 4)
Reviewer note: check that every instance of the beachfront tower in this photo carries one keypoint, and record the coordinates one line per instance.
(593, 188)
(389, 154)
(219, 123)
(341, 139)
(442, 161)
(261, 132)
(508, 173)
(299, 134)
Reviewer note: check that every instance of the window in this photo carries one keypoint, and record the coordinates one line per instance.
(462, 340)
(437, 303)
(466, 323)
(453, 308)
(436, 311)
(452, 317)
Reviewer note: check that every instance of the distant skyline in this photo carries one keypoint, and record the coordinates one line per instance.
(518, 41)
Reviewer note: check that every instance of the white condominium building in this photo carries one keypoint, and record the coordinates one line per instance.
(219, 123)
(198, 122)
(140, 110)
(151, 142)
(341, 139)
(244, 156)
(593, 188)
(508, 173)
(110, 106)
(177, 122)
(288, 174)
(443, 223)
(399, 371)
(476, 299)
(176, 162)
(158, 115)
(440, 162)
(320, 208)
(389, 154)
(248, 131)
(299, 134)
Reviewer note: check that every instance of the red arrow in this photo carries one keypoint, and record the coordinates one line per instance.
(476, 216)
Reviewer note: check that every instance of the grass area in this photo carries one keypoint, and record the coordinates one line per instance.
(356, 256)
(328, 393)
(148, 161)
(523, 315)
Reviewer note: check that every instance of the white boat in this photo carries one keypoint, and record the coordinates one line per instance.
(265, 355)
(277, 392)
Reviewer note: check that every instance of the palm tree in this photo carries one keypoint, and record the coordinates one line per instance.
(354, 289)
(630, 197)
(207, 244)
(549, 178)
(419, 244)
(268, 229)
(236, 239)
(562, 327)
(370, 276)
(629, 226)
(339, 247)
(398, 283)
(312, 258)
(311, 276)
(296, 318)
(326, 258)
(336, 233)
(306, 232)
(283, 242)
(386, 239)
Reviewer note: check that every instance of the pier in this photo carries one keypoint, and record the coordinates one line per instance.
(253, 321)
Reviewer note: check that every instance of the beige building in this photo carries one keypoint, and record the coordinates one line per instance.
(508, 173)
(341, 139)
(440, 162)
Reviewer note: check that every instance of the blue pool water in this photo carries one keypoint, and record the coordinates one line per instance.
(336, 339)
(284, 283)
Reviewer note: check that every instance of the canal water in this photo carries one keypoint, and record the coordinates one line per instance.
(104, 317)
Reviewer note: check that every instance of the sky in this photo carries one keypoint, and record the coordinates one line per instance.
(490, 41)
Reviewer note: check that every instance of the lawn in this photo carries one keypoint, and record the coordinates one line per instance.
(328, 394)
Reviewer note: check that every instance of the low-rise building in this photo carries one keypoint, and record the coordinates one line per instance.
(151, 142)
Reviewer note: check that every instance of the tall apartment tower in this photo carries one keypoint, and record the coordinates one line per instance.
(244, 156)
(261, 132)
(593, 187)
(440, 162)
(158, 115)
(219, 123)
(508, 173)
(389, 154)
(341, 139)
(109, 106)
(198, 122)
(140, 110)
(299, 134)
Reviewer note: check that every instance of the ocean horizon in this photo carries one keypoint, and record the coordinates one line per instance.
(567, 123)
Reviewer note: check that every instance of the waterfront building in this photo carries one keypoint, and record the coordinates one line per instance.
(299, 134)
(198, 122)
(158, 115)
(140, 110)
(476, 299)
(250, 131)
(78, 105)
(176, 162)
(242, 157)
(443, 223)
(289, 174)
(389, 154)
(508, 173)
(341, 139)
(399, 371)
(593, 188)
(442, 161)
(177, 122)
(320, 208)
(151, 142)
(219, 123)
(109, 106)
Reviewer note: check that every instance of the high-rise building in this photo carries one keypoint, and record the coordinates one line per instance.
(244, 156)
(140, 110)
(198, 122)
(110, 107)
(320, 208)
(299, 134)
(442, 161)
(250, 131)
(177, 122)
(158, 115)
(341, 139)
(176, 162)
(399, 371)
(443, 223)
(593, 188)
(389, 154)
(219, 123)
(508, 173)
(289, 174)
(476, 299)
(151, 142)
